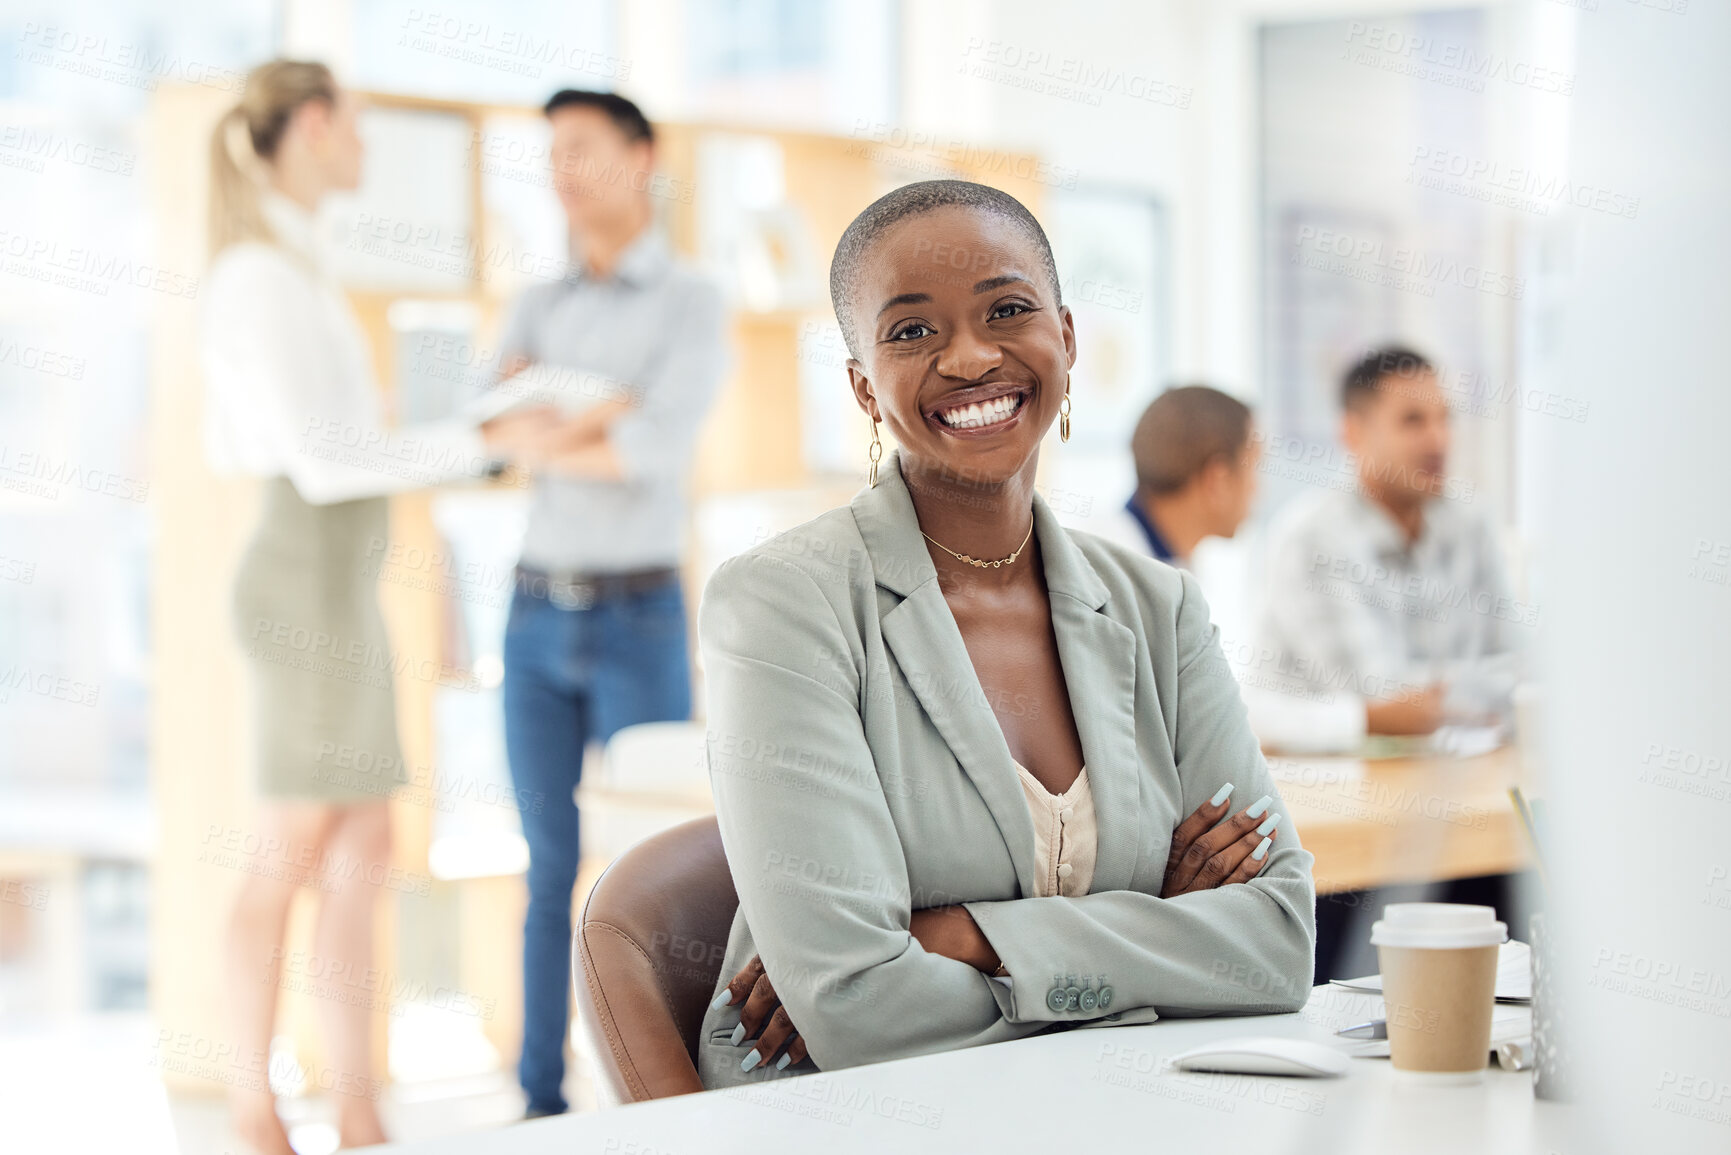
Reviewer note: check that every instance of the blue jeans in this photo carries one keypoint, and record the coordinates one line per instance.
(574, 676)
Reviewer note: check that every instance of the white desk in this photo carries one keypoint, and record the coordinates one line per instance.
(1105, 1084)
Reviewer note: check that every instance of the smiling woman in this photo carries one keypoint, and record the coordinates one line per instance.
(993, 759)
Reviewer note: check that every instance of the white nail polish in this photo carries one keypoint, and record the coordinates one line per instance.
(1261, 850)
(751, 1060)
(1225, 793)
(721, 1000)
(738, 1035)
(1268, 824)
(1260, 805)
(781, 1063)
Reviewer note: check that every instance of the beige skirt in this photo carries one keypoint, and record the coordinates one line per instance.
(306, 613)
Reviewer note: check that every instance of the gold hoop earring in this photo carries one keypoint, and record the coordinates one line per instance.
(1064, 413)
(874, 454)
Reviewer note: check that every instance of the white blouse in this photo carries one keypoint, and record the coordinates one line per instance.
(1065, 835)
(289, 387)
(1066, 838)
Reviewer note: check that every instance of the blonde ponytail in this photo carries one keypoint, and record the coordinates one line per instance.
(245, 141)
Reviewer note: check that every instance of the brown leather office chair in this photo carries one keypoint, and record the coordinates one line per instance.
(648, 949)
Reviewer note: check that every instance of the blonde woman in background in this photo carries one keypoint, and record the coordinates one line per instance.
(291, 399)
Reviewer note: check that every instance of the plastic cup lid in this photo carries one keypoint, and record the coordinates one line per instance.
(1438, 926)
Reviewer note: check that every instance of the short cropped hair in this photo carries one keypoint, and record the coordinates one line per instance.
(1182, 431)
(1366, 374)
(913, 200)
(625, 115)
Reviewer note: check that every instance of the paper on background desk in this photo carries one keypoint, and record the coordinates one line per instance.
(1514, 975)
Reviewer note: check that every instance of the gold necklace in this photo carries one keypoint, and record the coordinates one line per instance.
(976, 561)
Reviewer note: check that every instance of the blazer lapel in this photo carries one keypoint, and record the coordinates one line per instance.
(921, 632)
(1099, 658)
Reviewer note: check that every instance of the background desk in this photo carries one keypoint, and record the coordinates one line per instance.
(1377, 823)
(1044, 1094)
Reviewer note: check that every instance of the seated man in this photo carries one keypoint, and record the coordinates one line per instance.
(1195, 474)
(1386, 608)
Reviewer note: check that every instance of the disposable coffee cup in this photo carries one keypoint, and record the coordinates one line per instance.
(1439, 987)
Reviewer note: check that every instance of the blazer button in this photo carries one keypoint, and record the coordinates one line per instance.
(1105, 997)
(1057, 999)
(1090, 998)
(1073, 998)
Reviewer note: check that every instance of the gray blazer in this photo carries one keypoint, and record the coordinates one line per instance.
(860, 774)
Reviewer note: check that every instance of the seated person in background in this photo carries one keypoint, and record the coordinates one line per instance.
(973, 772)
(1195, 474)
(1386, 609)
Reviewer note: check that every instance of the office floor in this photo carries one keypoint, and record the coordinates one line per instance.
(409, 1112)
(91, 1085)
(91, 1081)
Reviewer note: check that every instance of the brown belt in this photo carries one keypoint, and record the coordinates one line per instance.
(569, 590)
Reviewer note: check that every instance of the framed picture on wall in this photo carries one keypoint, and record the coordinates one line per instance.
(1114, 263)
(1322, 312)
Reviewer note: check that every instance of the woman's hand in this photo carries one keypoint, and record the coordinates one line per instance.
(1205, 856)
(762, 1017)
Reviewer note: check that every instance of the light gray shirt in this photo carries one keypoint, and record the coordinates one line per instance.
(652, 333)
(1355, 612)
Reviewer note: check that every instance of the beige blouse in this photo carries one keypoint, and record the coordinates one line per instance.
(1065, 836)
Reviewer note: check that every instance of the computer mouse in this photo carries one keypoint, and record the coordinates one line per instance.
(1265, 1055)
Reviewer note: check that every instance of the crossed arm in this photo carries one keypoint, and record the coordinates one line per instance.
(639, 429)
(575, 446)
(1206, 853)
